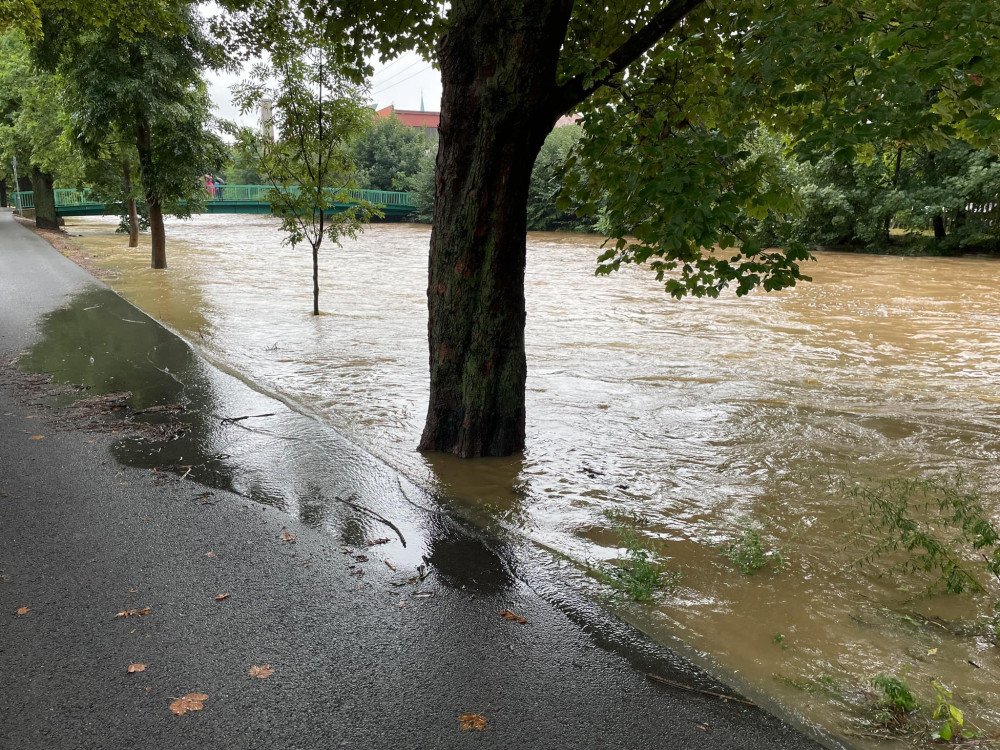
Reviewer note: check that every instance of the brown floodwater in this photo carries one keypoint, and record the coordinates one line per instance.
(695, 419)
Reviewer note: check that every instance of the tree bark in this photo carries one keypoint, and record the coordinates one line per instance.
(45, 200)
(498, 67)
(938, 222)
(315, 254)
(133, 214)
(3, 192)
(147, 173)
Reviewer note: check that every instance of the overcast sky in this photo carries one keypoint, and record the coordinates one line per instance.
(399, 82)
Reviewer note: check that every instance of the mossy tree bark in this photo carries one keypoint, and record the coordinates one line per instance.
(498, 66)
(45, 200)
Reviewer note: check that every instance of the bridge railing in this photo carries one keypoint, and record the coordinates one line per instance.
(227, 194)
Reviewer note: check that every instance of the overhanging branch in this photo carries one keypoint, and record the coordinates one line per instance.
(578, 88)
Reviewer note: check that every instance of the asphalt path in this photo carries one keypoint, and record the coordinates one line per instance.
(365, 652)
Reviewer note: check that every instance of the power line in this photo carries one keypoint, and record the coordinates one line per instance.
(404, 80)
(400, 72)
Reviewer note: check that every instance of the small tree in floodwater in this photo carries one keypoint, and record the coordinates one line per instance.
(317, 115)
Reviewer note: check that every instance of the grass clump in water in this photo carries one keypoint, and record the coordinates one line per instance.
(748, 552)
(638, 575)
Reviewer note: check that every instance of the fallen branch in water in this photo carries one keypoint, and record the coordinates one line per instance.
(373, 514)
(665, 681)
(234, 420)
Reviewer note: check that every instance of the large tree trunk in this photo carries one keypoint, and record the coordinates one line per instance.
(938, 222)
(144, 144)
(3, 192)
(45, 200)
(133, 213)
(498, 66)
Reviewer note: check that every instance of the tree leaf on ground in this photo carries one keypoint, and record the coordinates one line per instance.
(288, 537)
(37, 437)
(135, 612)
(133, 668)
(508, 615)
(209, 554)
(190, 702)
(220, 597)
(472, 721)
(261, 673)
(24, 610)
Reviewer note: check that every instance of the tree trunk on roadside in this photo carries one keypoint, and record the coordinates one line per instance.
(133, 213)
(498, 67)
(3, 192)
(147, 172)
(45, 200)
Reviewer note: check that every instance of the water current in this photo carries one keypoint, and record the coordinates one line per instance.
(691, 420)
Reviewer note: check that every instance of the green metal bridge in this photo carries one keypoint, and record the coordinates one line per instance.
(231, 199)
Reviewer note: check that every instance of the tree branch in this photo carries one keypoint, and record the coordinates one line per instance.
(579, 87)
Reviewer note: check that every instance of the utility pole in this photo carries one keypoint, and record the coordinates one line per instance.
(17, 189)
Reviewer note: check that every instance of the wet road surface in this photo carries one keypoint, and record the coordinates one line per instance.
(365, 653)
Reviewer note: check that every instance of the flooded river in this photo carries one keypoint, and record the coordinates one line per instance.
(703, 425)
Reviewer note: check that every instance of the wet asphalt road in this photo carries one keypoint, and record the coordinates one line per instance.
(364, 655)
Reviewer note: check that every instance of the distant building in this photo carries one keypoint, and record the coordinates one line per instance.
(568, 120)
(413, 119)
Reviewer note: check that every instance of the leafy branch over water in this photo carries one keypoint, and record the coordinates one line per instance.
(940, 524)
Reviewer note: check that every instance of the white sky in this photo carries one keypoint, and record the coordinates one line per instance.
(399, 82)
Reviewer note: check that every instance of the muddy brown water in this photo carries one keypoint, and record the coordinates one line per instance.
(698, 418)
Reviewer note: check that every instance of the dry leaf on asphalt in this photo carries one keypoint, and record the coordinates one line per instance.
(133, 668)
(508, 615)
(209, 554)
(190, 702)
(135, 612)
(472, 721)
(37, 437)
(261, 672)
(220, 597)
(288, 537)
(24, 610)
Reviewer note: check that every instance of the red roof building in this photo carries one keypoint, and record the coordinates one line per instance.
(412, 118)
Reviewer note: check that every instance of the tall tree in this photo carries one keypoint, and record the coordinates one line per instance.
(319, 117)
(148, 85)
(389, 155)
(33, 125)
(669, 91)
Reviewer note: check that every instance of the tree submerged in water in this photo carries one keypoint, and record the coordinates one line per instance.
(308, 163)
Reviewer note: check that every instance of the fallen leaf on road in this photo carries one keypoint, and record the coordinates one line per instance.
(383, 540)
(288, 537)
(508, 615)
(209, 554)
(190, 702)
(220, 597)
(24, 610)
(472, 721)
(135, 612)
(261, 673)
(37, 437)
(133, 668)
